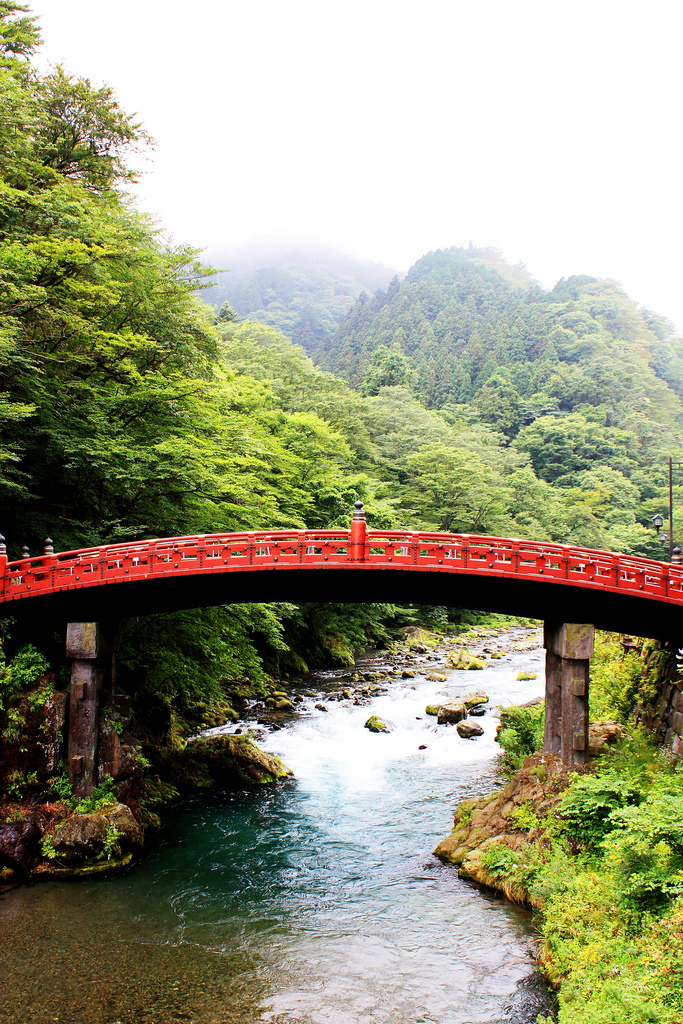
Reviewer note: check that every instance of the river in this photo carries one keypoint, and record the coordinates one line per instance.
(316, 902)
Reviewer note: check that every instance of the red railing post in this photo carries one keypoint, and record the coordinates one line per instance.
(358, 530)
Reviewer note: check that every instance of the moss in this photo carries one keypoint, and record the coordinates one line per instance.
(46, 871)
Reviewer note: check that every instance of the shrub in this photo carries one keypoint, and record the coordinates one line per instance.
(21, 672)
(645, 851)
(521, 734)
(586, 808)
(615, 679)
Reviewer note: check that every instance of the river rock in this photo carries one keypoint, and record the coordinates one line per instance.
(407, 673)
(477, 712)
(468, 730)
(375, 724)
(463, 660)
(436, 677)
(224, 762)
(282, 704)
(450, 712)
(475, 699)
(432, 709)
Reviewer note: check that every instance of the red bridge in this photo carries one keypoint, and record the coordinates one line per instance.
(571, 589)
(537, 579)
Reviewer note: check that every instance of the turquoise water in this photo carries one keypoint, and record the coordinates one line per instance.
(318, 902)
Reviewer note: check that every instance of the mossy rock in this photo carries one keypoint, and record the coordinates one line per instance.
(522, 676)
(375, 724)
(463, 661)
(474, 699)
(432, 709)
(436, 677)
(407, 673)
(497, 655)
(282, 704)
(228, 762)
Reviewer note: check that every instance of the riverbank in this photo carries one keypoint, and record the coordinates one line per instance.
(598, 856)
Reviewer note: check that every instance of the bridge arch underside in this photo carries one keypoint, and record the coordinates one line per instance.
(539, 599)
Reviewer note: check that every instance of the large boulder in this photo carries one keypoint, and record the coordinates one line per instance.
(86, 836)
(80, 836)
(223, 762)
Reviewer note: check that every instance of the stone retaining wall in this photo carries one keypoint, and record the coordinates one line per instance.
(664, 716)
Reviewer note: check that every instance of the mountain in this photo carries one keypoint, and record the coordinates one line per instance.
(465, 328)
(303, 291)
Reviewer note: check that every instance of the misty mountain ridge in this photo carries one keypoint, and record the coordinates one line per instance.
(303, 290)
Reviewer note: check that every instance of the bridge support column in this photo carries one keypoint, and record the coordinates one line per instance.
(91, 651)
(569, 646)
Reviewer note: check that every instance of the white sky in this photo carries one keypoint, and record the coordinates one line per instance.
(549, 130)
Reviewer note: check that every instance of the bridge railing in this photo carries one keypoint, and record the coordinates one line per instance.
(254, 550)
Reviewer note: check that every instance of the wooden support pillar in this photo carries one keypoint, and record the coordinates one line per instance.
(569, 646)
(91, 651)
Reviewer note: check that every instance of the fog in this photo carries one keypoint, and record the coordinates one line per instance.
(388, 129)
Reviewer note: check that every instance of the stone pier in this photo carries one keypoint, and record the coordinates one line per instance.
(569, 646)
(90, 647)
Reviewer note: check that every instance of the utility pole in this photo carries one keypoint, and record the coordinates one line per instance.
(672, 465)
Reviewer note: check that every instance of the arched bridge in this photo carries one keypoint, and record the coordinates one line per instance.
(537, 579)
(571, 589)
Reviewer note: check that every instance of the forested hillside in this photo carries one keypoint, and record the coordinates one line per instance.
(305, 292)
(579, 380)
(480, 403)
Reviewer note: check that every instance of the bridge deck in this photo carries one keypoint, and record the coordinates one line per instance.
(492, 573)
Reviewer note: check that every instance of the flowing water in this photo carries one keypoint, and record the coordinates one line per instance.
(316, 902)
